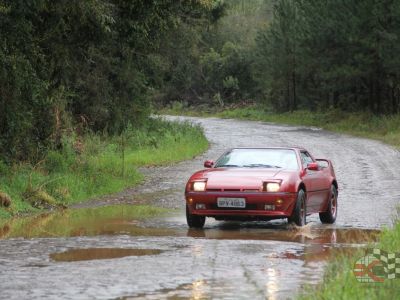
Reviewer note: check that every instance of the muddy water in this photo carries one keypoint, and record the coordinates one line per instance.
(225, 260)
(100, 253)
(113, 255)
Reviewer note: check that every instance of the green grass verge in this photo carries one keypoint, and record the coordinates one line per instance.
(362, 124)
(94, 165)
(340, 282)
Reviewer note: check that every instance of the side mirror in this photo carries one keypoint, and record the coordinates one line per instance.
(313, 166)
(208, 164)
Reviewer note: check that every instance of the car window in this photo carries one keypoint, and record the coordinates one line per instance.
(305, 158)
(259, 158)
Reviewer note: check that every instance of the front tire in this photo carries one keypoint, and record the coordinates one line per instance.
(194, 221)
(329, 217)
(299, 212)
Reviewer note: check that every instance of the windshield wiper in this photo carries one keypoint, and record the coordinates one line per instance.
(261, 166)
(228, 166)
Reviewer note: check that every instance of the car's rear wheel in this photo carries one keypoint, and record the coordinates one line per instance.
(329, 216)
(194, 221)
(299, 212)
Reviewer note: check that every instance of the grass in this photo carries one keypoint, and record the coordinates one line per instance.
(340, 283)
(362, 124)
(383, 128)
(94, 165)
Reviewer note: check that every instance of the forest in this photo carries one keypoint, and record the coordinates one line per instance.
(102, 66)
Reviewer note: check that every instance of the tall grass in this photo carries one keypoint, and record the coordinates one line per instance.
(93, 165)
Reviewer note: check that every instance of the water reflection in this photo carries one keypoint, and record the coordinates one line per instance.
(107, 220)
(125, 219)
(199, 290)
(100, 253)
(275, 255)
(272, 284)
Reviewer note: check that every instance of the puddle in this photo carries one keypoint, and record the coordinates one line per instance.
(106, 220)
(197, 263)
(123, 220)
(100, 253)
(311, 234)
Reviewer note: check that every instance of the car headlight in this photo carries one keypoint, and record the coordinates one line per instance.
(271, 187)
(199, 186)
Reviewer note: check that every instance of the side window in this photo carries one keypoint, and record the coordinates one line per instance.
(305, 159)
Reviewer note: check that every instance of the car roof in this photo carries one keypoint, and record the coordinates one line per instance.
(285, 148)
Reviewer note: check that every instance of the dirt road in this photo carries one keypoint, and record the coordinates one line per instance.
(225, 260)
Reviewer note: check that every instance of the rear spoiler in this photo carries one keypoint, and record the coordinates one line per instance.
(323, 163)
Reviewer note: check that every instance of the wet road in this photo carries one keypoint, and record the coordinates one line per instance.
(162, 259)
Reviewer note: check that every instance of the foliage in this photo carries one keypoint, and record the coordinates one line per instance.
(331, 54)
(68, 65)
(96, 65)
(211, 63)
(104, 164)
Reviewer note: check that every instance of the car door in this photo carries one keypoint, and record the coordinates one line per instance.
(314, 182)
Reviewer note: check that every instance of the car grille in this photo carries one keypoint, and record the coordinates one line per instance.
(232, 190)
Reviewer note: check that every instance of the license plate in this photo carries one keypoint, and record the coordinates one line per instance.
(231, 202)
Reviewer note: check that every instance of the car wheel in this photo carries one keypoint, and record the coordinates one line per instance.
(194, 221)
(299, 212)
(330, 215)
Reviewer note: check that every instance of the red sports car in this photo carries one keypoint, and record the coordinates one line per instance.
(262, 184)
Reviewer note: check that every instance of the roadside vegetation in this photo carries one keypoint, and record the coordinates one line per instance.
(91, 165)
(385, 128)
(77, 79)
(339, 281)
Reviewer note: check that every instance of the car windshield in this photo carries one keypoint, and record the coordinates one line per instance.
(259, 158)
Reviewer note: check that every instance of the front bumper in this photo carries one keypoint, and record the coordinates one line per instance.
(255, 204)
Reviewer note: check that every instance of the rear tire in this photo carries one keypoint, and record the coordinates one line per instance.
(299, 212)
(329, 217)
(194, 221)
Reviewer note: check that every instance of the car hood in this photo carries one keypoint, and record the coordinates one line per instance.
(235, 178)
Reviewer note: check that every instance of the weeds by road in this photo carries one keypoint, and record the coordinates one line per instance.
(92, 165)
(341, 283)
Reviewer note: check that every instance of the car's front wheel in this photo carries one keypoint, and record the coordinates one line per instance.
(299, 212)
(194, 221)
(329, 216)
